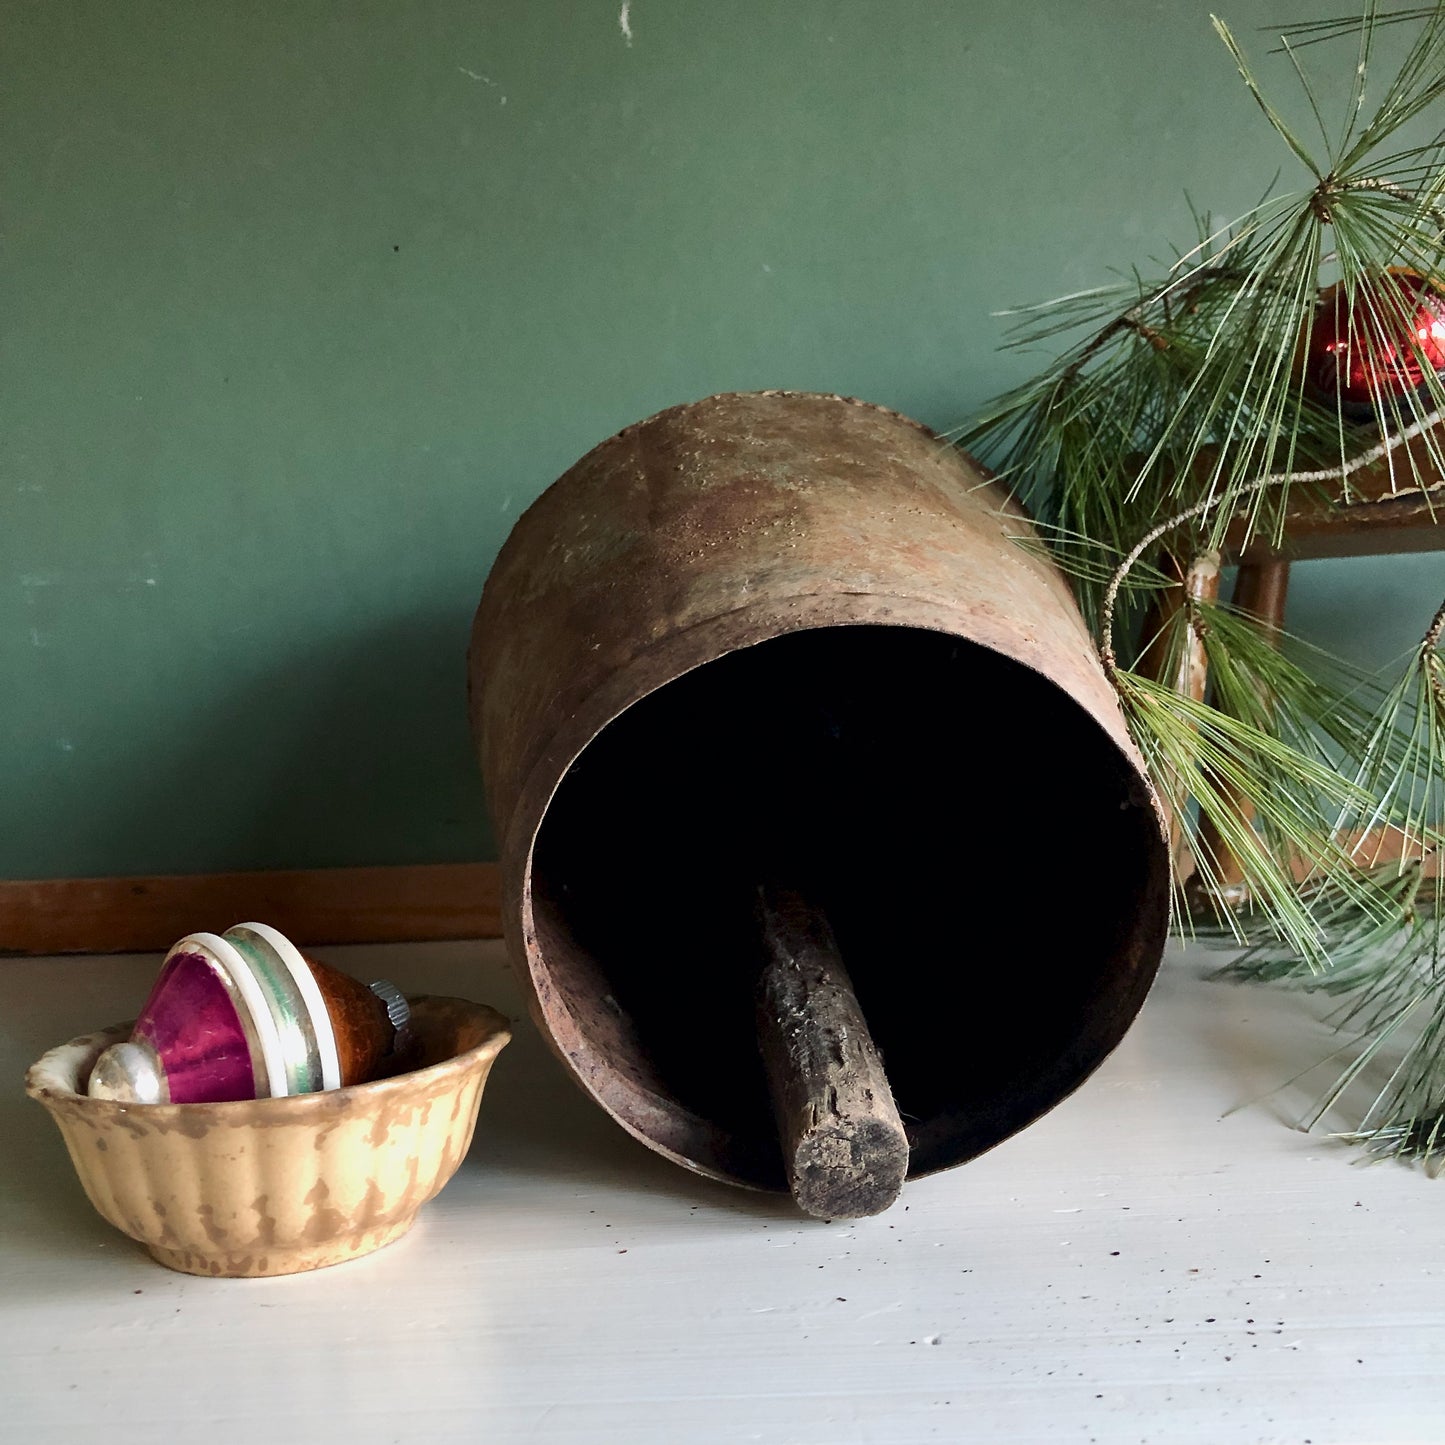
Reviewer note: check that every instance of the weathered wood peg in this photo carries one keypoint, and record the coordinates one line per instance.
(845, 1151)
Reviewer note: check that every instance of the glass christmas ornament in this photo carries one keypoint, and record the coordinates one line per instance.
(1378, 342)
(246, 1015)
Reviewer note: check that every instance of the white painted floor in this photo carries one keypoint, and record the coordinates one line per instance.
(1142, 1265)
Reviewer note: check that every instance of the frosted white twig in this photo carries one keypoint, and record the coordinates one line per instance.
(1275, 479)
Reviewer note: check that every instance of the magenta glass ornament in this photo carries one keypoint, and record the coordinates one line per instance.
(191, 1021)
(246, 1015)
(204, 1036)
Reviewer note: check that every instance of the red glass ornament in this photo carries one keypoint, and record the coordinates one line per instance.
(1383, 345)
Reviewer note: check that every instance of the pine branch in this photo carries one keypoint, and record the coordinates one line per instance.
(1184, 397)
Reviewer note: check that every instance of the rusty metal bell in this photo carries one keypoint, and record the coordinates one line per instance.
(780, 631)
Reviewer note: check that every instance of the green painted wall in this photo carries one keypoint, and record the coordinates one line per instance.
(304, 302)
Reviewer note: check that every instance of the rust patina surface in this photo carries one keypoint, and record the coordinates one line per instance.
(713, 527)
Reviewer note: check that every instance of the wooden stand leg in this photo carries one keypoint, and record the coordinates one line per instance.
(1260, 589)
(844, 1147)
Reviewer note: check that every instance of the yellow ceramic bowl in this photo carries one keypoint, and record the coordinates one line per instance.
(275, 1186)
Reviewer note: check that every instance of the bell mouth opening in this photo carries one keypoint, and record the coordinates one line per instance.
(988, 858)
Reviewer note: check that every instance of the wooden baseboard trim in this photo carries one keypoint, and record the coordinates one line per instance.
(312, 906)
(405, 904)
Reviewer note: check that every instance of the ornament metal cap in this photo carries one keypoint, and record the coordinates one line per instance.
(131, 1073)
(398, 1010)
